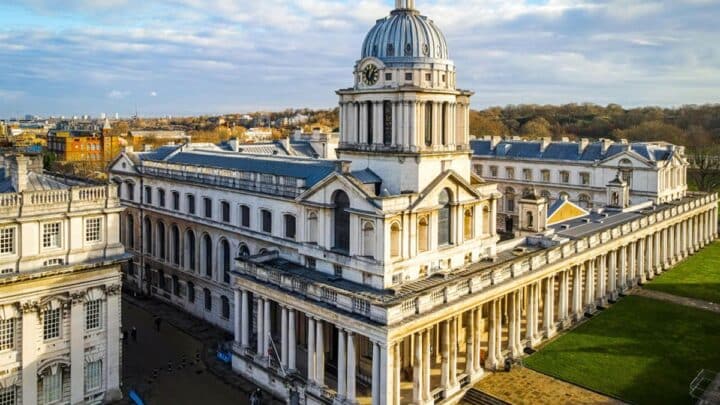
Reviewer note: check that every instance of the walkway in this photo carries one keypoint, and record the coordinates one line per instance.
(676, 299)
(525, 386)
(183, 351)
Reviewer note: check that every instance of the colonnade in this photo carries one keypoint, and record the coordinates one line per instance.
(408, 124)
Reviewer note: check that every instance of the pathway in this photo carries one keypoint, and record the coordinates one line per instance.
(525, 386)
(676, 299)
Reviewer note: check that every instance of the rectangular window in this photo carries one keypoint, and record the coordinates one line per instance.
(546, 176)
(527, 174)
(8, 396)
(409, 76)
(176, 200)
(510, 172)
(93, 376)
(161, 197)
(266, 221)
(493, 171)
(7, 335)
(93, 230)
(7, 240)
(148, 195)
(310, 262)
(52, 387)
(289, 226)
(245, 216)
(51, 235)
(225, 211)
(51, 323)
(478, 170)
(93, 315)
(208, 207)
(428, 77)
(585, 179)
(191, 204)
(388, 76)
(564, 177)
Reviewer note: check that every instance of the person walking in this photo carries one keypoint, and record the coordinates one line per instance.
(133, 334)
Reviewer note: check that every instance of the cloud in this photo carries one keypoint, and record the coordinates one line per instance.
(205, 56)
(118, 94)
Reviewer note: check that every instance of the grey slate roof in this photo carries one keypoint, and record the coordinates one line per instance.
(311, 170)
(159, 153)
(366, 176)
(565, 150)
(35, 182)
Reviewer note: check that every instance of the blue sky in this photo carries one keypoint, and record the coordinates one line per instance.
(188, 57)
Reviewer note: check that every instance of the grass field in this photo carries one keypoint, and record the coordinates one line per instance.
(641, 350)
(696, 277)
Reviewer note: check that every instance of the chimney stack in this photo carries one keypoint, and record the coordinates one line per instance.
(19, 173)
(546, 141)
(234, 144)
(582, 145)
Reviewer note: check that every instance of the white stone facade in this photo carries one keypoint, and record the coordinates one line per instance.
(60, 319)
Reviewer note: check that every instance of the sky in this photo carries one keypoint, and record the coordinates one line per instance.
(191, 57)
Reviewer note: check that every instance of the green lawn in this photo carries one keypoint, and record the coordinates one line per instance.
(641, 350)
(696, 277)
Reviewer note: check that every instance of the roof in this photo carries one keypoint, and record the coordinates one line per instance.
(35, 182)
(366, 176)
(567, 150)
(311, 170)
(564, 210)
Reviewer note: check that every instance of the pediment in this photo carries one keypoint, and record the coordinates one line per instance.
(636, 160)
(122, 164)
(322, 193)
(462, 191)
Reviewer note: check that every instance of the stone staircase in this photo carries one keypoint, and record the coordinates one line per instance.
(477, 397)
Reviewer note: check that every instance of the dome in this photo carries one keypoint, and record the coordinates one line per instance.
(405, 36)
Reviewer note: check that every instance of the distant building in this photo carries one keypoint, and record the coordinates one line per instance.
(84, 145)
(149, 138)
(259, 134)
(312, 145)
(60, 259)
(578, 171)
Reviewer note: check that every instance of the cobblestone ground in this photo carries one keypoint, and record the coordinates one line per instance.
(176, 365)
(524, 386)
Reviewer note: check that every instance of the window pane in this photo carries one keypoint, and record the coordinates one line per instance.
(7, 335)
(51, 323)
(7, 240)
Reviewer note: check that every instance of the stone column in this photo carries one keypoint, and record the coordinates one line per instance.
(601, 293)
(413, 137)
(632, 263)
(30, 325)
(650, 258)
(311, 350)
(292, 341)
(260, 327)
(245, 328)
(284, 336)
(236, 316)
(445, 354)
(114, 316)
(563, 299)
(470, 342)
(514, 327)
(320, 353)
(612, 279)
(352, 367)
(640, 264)
(453, 350)
(266, 329)
(657, 260)
(77, 348)
(479, 331)
(375, 381)
(671, 253)
(427, 370)
(530, 314)
(341, 366)
(623, 268)
(417, 369)
(577, 293)
(397, 380)
(548, 309)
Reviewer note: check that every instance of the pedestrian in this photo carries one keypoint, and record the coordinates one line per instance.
(133, 334)
(157, 323)
(256, 397)
(124, 335)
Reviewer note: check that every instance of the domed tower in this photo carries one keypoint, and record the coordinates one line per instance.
(404, 118)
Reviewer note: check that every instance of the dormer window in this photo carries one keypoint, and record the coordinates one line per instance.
(390, 50)
(408, 49)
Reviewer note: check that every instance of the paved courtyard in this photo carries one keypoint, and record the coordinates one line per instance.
(165, 367)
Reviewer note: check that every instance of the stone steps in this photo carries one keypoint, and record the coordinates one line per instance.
(477, 397)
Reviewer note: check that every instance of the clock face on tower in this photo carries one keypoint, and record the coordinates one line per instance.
(370, 74)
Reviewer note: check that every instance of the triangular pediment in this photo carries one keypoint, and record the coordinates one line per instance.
(564, 210)
(122, 164)
(463, 191)
(321, 194)
(636, 159)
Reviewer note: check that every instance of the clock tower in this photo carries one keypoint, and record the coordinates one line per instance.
(404, 119)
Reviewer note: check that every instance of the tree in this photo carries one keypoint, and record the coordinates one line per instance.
(482, 124)
(536, 128)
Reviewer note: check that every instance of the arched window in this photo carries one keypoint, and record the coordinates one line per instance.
(395, 239)
(130, 191)
(546, 195)
(289, 226)
(175, 240)
(387, 122)
(341, 223)
(243, 251)
(191, 291)
(445, 218)
(423, 235)
(468, 224)
(207, 298)
(147, 235)
(52, 384)
(225, 307)
(564, 196)
(615, 199)
(225, 248)
(312, 227)
(206, 251)
(585, 201)
(190, 256)
(529, 219)
(130, 231)
(370, 122)
(626, 172)
(161, 240)
(428, 124)
(486, 220)
(368, 240)
(509, 199)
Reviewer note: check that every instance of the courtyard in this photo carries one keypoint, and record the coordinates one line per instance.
(644, 350)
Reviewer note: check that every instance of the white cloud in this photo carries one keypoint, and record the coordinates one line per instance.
(153, 94)
(118, 94)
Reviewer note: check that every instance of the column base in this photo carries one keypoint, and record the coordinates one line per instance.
(549, 333)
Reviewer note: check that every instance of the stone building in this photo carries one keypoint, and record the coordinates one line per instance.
(578, 171)
(60, 278)
(378, 277)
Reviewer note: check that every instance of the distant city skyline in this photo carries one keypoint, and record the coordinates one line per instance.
(190, 57)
